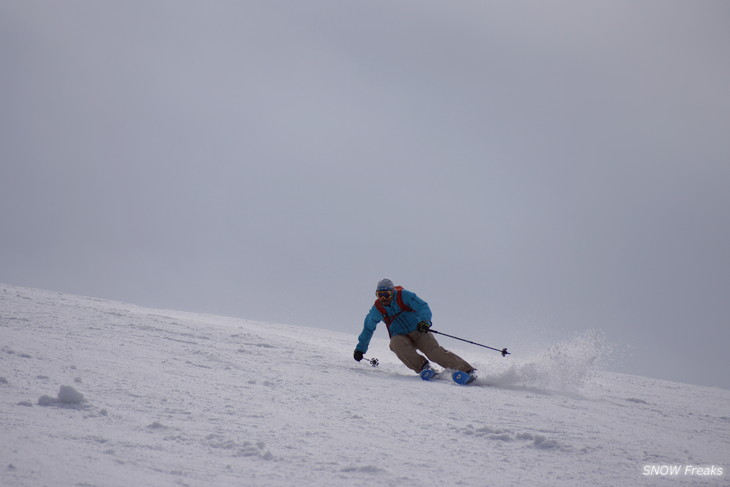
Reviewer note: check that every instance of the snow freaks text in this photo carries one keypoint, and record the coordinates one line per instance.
(682, 470)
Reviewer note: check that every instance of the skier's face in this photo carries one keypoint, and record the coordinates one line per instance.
(384, 297)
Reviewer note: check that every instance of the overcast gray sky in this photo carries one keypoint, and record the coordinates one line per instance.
(532, 169)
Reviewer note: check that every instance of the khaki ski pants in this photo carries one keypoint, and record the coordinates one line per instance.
(406, 348)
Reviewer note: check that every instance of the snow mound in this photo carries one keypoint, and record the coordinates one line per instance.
(67, 396)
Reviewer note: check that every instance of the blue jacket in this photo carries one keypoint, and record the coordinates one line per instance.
(403, 324)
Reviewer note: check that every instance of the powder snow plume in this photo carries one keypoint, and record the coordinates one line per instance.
(563, 367)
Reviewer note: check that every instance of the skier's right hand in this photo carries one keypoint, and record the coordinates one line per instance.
(357, 355)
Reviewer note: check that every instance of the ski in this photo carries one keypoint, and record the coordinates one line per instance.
(428, 374)
(463, 378)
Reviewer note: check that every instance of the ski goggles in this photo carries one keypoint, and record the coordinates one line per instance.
(384, 294)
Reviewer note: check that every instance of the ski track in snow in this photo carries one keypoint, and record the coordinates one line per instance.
(100, 393)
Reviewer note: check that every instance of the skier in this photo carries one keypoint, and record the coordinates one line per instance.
(408, 319)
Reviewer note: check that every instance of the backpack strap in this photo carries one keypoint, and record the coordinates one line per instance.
(388, 319)
(399, 299)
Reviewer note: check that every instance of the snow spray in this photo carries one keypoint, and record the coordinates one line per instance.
(562, 367)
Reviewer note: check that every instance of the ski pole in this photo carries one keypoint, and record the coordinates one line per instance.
(372, 361)
(504, 351)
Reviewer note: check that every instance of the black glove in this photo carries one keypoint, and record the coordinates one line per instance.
(357, 355)
(423, 326)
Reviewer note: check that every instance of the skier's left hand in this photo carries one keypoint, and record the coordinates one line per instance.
(423, 326)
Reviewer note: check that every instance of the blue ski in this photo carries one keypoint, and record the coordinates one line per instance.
(463, 378)
(428, 374)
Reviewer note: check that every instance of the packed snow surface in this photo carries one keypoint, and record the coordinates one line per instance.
(100, 393)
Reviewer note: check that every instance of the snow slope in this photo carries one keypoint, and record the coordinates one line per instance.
(100, 393)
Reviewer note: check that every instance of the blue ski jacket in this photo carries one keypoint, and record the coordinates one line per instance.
(404, 323)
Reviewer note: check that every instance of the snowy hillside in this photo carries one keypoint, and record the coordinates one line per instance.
(100, 393)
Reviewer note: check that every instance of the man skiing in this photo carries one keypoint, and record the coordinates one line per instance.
(408, 319)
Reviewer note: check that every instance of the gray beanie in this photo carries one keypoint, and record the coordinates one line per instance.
(385, 285)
